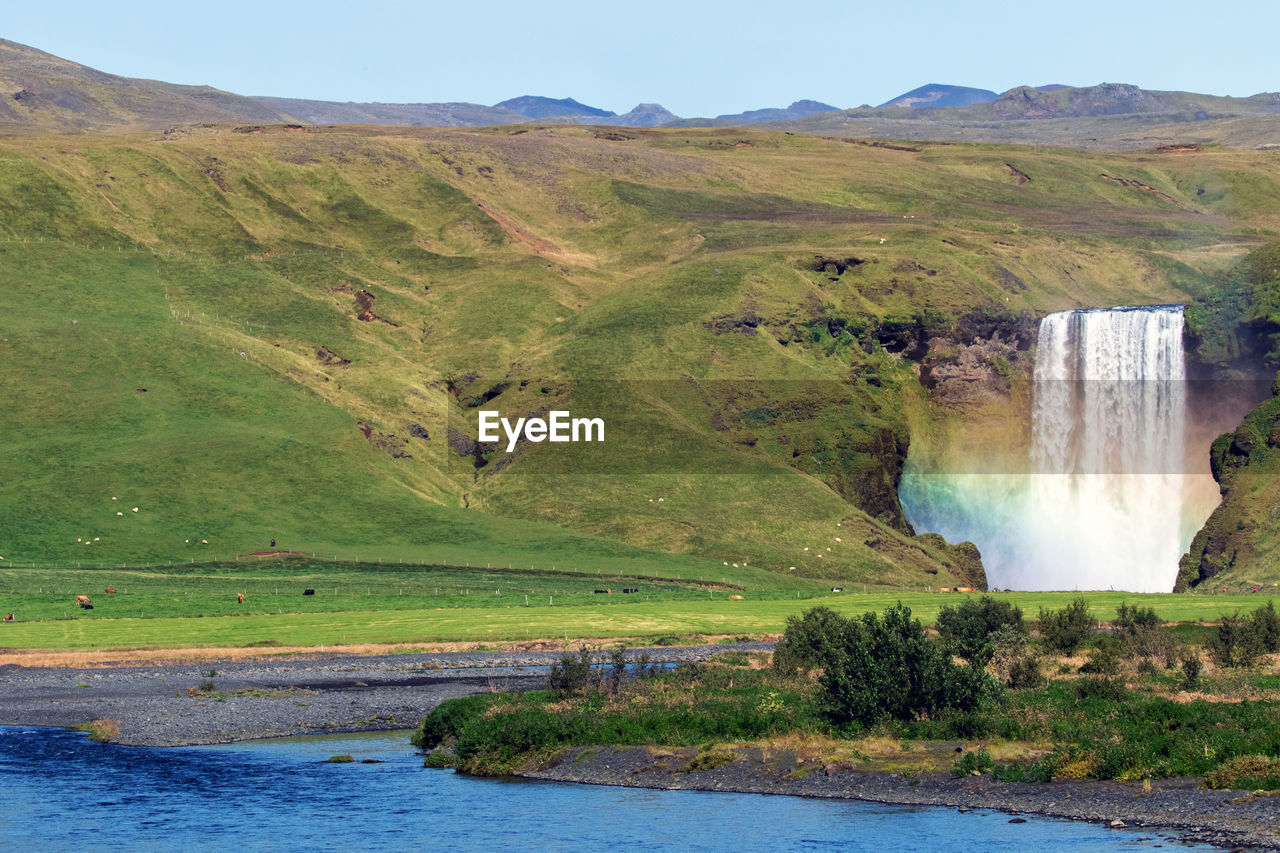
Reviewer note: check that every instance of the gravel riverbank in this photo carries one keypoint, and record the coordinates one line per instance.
(162, 704)
(1175, 808)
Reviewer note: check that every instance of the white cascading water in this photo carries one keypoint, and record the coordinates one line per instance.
(1105, 508)
(1110, 495)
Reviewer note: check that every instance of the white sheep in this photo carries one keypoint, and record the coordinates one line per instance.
(135, 509)
(119, 513)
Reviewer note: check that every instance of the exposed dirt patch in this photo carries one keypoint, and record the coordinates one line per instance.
(364, 309)
(326, 356)
(1138, 185)
(518, 234)
(1019, 176)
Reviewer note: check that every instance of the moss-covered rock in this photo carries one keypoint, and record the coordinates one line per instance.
(1240, 542)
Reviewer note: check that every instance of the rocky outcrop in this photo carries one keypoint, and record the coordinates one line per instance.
(963, 559)
(972, 363)
(1233, 546)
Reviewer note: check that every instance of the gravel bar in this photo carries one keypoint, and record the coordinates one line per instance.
(163, 705)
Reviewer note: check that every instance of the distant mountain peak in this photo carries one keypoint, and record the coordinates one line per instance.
(645, 115)
(942, 95)
(798, 109)
(537, 107)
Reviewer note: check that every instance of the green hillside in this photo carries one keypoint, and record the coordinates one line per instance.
(316, 317)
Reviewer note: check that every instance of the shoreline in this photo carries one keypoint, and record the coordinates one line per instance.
(1177, 808)
(165, 703)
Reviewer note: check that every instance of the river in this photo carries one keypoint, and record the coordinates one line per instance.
(60, 791)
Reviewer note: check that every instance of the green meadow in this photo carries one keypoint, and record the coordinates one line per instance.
(193, 606)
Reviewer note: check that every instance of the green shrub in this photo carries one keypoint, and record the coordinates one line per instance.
(446, 721)
(805, 639)
(1100, 687)
(1064, 630)
(1024, 674)
(102, 731)
(1191, 667)
(710, 761)
(617, 668)
(1246, 772)
(1131, 619)
(969, 626)
(339, 759)
(1104, 657)
(885, 668)
(1155, 643)
(1266, 626)
(974, 763)
(1236, 642)
(572, 673)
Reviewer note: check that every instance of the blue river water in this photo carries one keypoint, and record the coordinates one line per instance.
(61, 792)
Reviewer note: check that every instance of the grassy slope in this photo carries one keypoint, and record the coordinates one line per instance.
(214, 265)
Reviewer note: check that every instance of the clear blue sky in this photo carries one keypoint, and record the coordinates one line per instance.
(696, 57)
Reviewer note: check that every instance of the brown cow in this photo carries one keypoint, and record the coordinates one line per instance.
(240, 598)
(110, 591)
(9, 618)
(82, 600)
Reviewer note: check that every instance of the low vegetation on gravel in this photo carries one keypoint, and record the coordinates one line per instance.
(1138, 699)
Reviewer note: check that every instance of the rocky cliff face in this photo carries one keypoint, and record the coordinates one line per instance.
(1238, 544)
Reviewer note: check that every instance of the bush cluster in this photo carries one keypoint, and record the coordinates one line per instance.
(883, 667)
(1064, 630)
(1239, 640)
(807, 639)
(969, 626)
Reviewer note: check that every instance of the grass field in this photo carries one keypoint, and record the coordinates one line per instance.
(197, 606)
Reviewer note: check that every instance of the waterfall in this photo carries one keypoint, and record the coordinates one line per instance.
(1105, 498)
(1108, 452)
